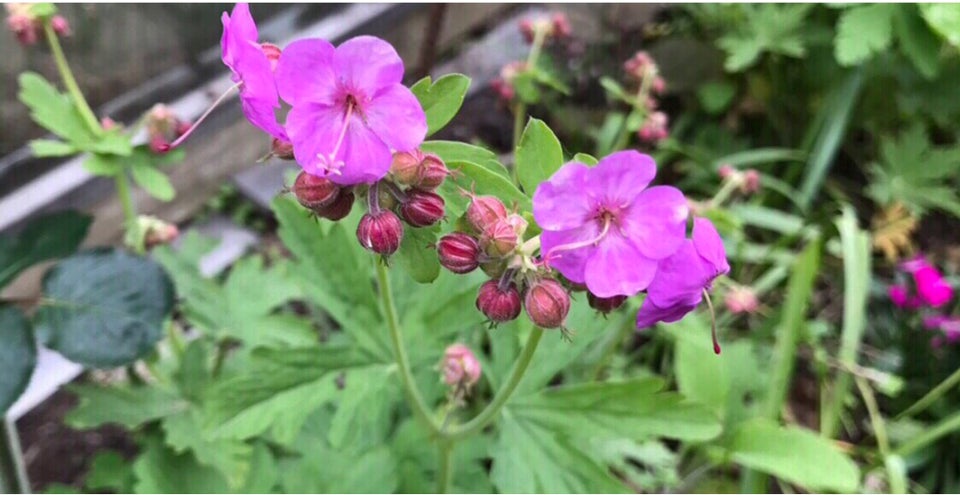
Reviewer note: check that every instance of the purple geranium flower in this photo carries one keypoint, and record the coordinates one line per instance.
(349, 107)
(681, 278)
(603, 227)
(251, 70)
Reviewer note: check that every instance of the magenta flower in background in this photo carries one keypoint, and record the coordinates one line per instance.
(949, 326)
(932, 287)
(901, 298)
(603, 227)
(251, 67)
(349, 108)
(681, 278)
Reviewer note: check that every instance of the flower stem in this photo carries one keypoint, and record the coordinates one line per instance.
(932, 396)
(520, 109)
(490, 413)
(445, 471)
(129, 210)
(417, 404)
(13, 474)
(68, 80)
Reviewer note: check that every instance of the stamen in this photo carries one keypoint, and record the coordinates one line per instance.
(330, 161)
(713, 323)
(167, 147)
(580, 244)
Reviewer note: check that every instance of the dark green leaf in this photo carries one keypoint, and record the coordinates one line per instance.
(441, 100)
(917, 42)
(794, 455)
(455, 151)
(104, 308)
(129, 407)
(479, 180)
(538, 155)
(153, 181)
(417, 254)
(18, 356)
(51, 236)
(715, 97)
(944, 18)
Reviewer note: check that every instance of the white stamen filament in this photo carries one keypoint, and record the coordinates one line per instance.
(330, 162)
(196, 124)
(580, 244)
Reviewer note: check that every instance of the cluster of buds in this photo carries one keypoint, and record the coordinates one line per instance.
(747, 181)
(460, 369)
(642, 69)
(163, 127)
(741, 299)
(27, 26)
(493, 242)
(321, 196)
(654, 128)
(554, 27)
(503, 85)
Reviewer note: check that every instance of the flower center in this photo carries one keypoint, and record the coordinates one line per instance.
(329, 162)
(605, 217)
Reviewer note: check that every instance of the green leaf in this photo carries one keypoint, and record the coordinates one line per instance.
(50, 147)
(104, 308)
(153, 181)
(129, 407)
(526, 88)
(614, 89)
(455, 151)
(864, 31)
(104, 165)
(480, 180)
(944, 18)
(232, 458)
(635, 409)
(159, 469)
(363, 391)
(417, 255)
(48, 237)
(538, 155)
(18, 355)
(716, 97)
(109, 471)
(330, 471)
(917, 42)
(585, 159)
(278, 391)
(794, 455)
(441, 100)
(43, 9)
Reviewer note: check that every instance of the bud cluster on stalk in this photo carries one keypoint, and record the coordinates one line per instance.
(163, 127)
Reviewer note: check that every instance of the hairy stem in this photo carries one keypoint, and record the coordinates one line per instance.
(68, 80)
(445, 471)
(417, 404)
(503, 395)
(129, 210)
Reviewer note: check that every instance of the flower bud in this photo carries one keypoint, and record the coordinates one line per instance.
(108, 124)
(561, 25)
(639, 65)
(499, 304)
(380, 232)
(655, 128)
(459, 252)
(751, 182)
(504, 89)
(60, 26)
(500, 240)
(547, 303)
(282, 149)
(340, 207)
(314, 193)
(418, 169)
(658, 85)
(518, 223)
(726, 171)
(25, 26)
(605, 304)
(741, 300)
(460, 366)
(485, 211)
(432, 172)
(422, 208)
(406, 165)
(272, 52)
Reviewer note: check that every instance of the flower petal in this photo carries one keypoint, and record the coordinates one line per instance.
(367, 158)
(621, 176)
(368, 64)
(561, 202)
(680, 277)
(238, 29)
(651, 314)
(616, 268)
(656, 222)
(305, 73)
(709, 246)
(397, 118)
(571, 263)
(314, 130)
(261, 113)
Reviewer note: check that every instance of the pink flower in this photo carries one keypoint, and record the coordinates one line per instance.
(931, 286)
(683, 277)
(655, 128)
(603, 227)
(349, 107)
(900, 296)
(251, 67)
(460, 366)
(949, 326)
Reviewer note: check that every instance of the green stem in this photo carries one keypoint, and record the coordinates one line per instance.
(223, 348)
(520, 109)
(419, 406)
(176, 343)
(68, 80)
(951, 382)
(445, 472)
(490, 413)
(13, 473)
(129, 211)
(929, 436)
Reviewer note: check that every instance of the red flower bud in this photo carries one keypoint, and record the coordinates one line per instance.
(460, 366)
(741, 299)
(459, 252)
(500, 239)
(405, 166)
(751, 182)
(282, 149)
(422, 208)
(315, 193)
(484, 211)
(60, 25)
(605, 304)
(340, 207)
(432, 172)
(499, 304)
(547, 303)
(417, 169)
(380, 232)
